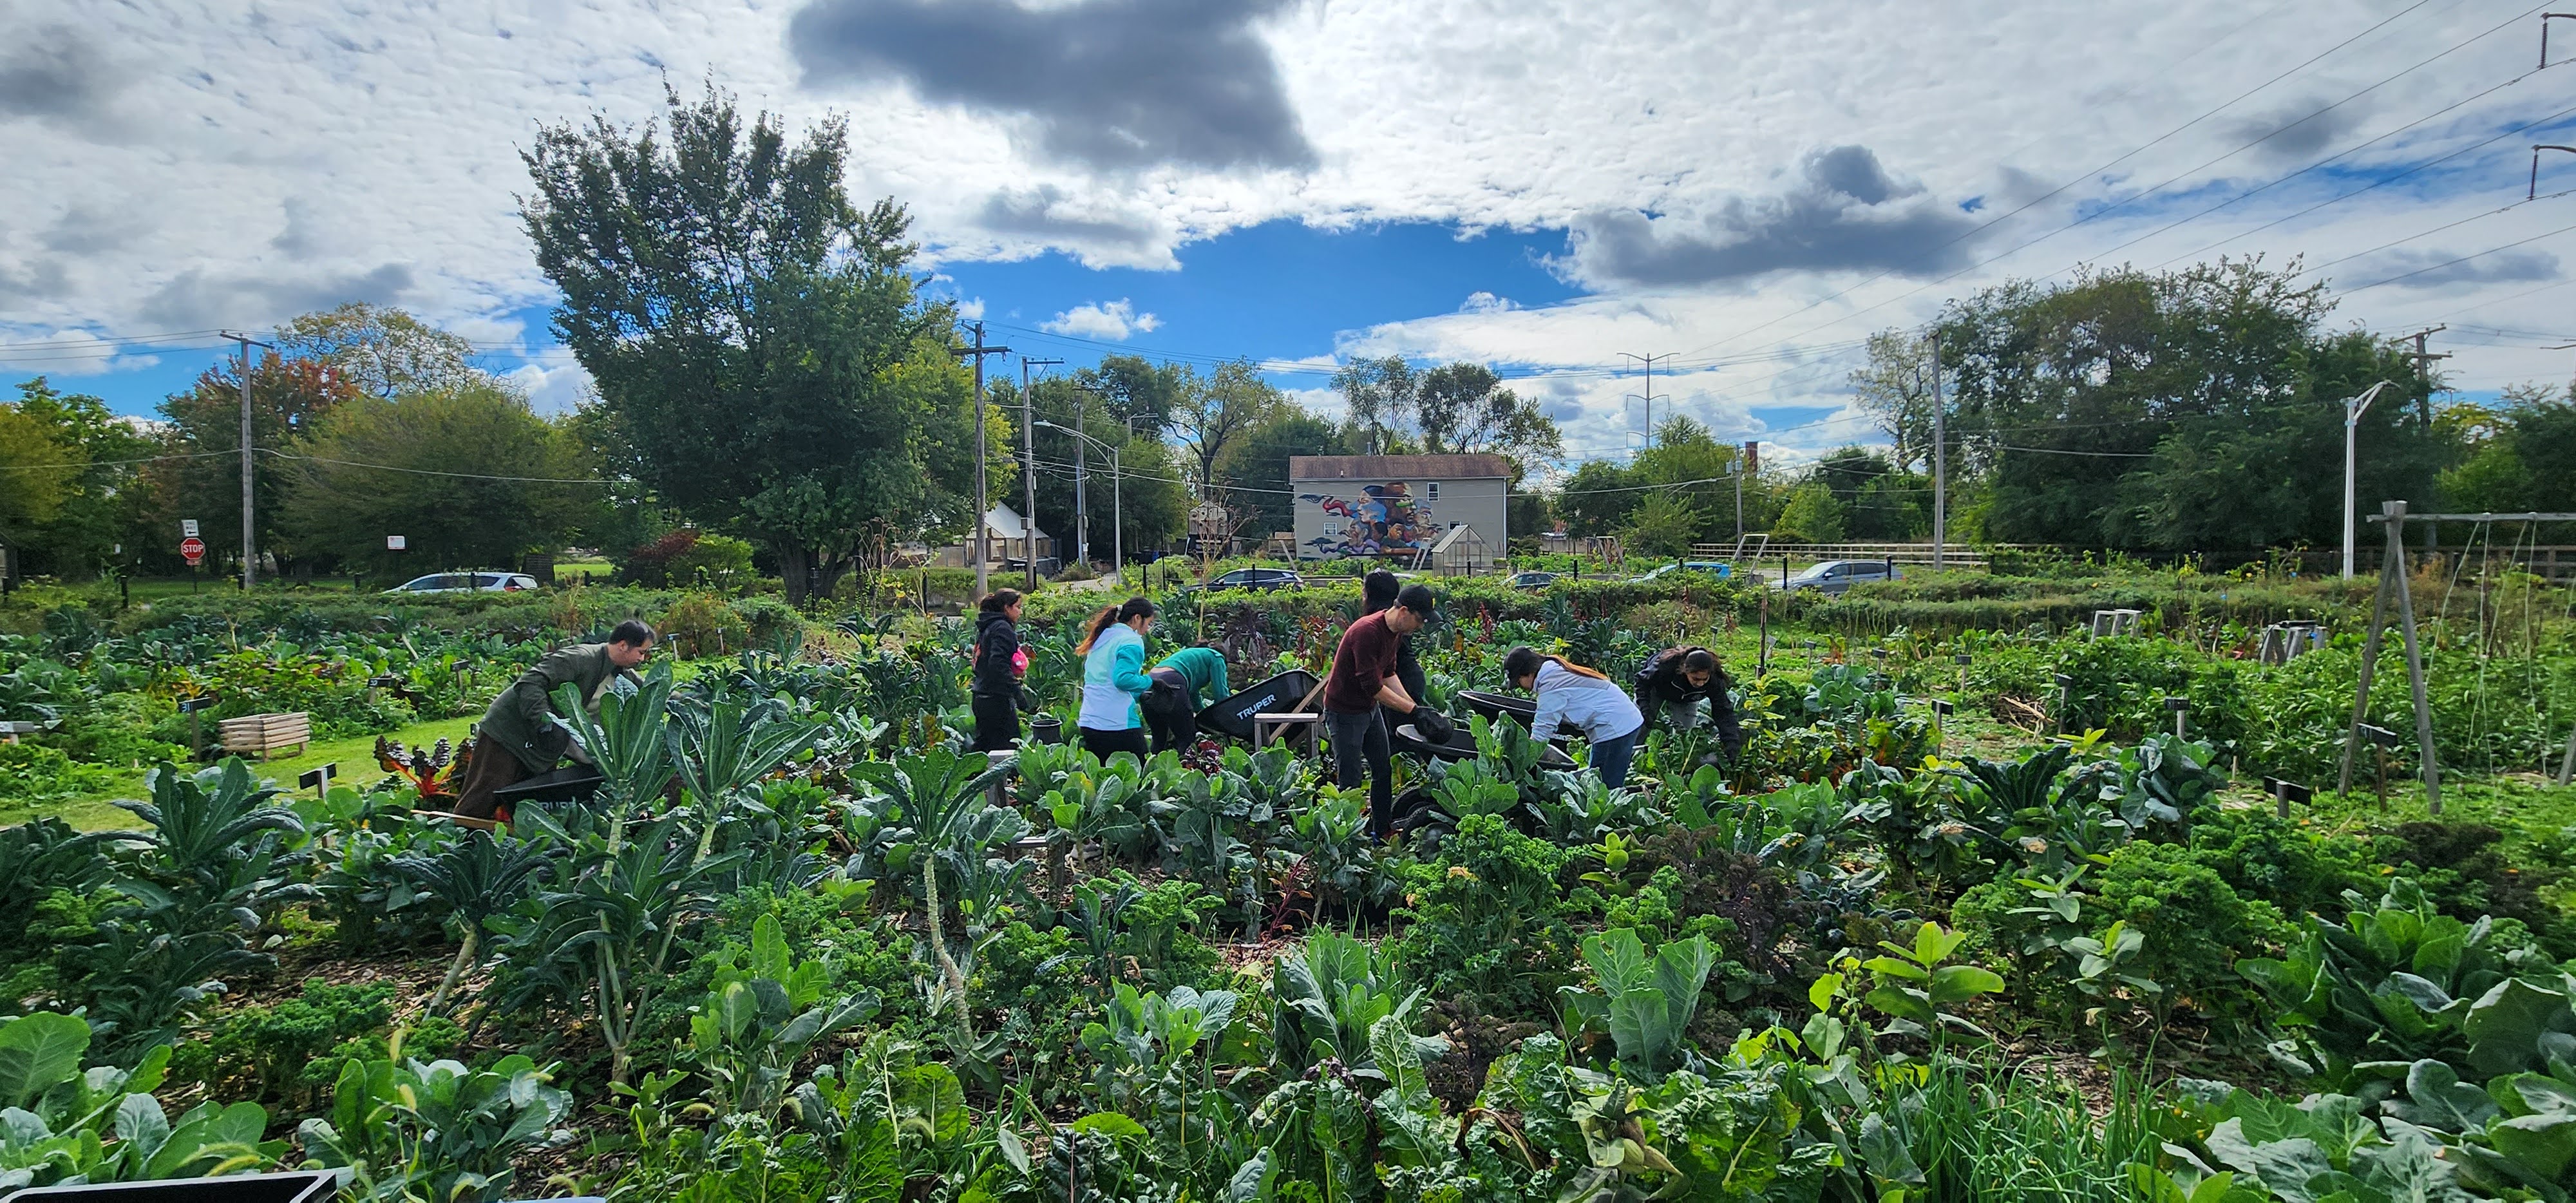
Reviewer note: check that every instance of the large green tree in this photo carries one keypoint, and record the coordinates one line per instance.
(1463, 408)
(2196, 409)
(1252, 475)
(288, 396)
(1220, 409)
(463, 474)
(381, 350)
(755, 334)
(97, 499)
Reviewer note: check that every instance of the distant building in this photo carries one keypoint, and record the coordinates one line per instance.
(1006, 543)
(1397, 506)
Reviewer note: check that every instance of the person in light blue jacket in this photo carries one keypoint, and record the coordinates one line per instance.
(1113, 678)
(1571, 695)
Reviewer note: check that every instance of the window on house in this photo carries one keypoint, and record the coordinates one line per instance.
(1434, 491)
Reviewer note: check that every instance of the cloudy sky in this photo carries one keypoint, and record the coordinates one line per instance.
(1747, 187)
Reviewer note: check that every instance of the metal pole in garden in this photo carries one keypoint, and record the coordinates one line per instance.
(249, 553)
(983, 497)
(1029, 457)
(2352, 411)
(1118, 510)
(1940, 461)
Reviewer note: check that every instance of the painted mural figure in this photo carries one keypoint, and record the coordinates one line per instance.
(1383, 518)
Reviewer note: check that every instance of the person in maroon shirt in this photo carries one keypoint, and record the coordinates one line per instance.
(1362, 681)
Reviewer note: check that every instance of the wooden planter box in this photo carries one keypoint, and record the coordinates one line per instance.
(264, 735)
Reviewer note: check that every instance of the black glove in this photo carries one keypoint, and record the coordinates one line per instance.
(1433, 726)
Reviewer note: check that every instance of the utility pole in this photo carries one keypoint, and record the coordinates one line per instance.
(249, 552)
(983, 496)
(1649, 398)
(2424, 363)
(1940, 463)
(1029, 468)
(1750, 463)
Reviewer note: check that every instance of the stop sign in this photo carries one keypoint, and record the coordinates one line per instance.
(194, 549)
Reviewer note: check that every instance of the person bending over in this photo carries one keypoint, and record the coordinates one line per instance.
(1113, 677)
(1186, 680)
(521, 735)
(1673, 683)
(1574, 696)
(1363, 682)
(999, 666)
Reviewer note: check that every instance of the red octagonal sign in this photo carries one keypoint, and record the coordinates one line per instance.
(194, 549)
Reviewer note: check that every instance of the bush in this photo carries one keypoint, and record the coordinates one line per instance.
(1488, 918)
(2195, 924)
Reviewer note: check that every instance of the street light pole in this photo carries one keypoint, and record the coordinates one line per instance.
(1029, 470)
(1117, 501)
(2353, 408)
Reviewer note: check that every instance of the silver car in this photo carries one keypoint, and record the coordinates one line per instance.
(467, 582)
(1838, 576)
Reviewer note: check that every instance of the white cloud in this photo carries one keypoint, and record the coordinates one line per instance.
(551, 387)
(174, 166)
(1113, 321)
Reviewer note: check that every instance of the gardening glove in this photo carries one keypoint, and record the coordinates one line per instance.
(1434, 727)
(579, 754)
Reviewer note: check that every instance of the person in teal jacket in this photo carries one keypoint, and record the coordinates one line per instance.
(1185, 681)
(1113, 677)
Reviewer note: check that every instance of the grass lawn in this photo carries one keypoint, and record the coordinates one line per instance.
(355, 758)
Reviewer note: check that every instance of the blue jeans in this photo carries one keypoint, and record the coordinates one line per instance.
(1610, 757)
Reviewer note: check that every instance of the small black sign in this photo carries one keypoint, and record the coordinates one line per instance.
(2380, 735)
(195, 704)
(2177, 705)
(318, 778)
(1940, 706)
(2289, 791)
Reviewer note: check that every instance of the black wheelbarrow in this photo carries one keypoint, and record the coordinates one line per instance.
(1462, 746)
(571, 783)
(1233, 715)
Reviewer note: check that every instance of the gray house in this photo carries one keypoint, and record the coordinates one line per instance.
(1399, 505)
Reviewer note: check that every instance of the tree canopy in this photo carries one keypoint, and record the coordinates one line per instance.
(463, 473)
(754, 334)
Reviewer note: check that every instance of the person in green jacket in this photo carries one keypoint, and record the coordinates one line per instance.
(521, 736)
(1185, 681)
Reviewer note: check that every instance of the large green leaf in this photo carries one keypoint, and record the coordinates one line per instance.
(37, 1053)
(2505, 1026)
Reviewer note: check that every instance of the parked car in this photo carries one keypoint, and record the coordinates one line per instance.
(1837, 576)
(1712, 567)
(1531, 580)
(1253, 578)
(467, 582)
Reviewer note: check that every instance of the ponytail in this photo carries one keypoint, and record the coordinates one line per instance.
(1133, 608)
(1524, 662)
(1091, 631)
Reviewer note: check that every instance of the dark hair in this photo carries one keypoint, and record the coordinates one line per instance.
(1135, 607)
(1378, 590)
(998, 600)
(632, 633)
(1699, 660)
(1524, 662)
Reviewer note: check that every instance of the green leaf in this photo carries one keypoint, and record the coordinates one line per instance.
(1109, 1123)
(2504, 1026)
(2543, 1144)
(1013, 1150)
(1957, 982)
(37, 1053)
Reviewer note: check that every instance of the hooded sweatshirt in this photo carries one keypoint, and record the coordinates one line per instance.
(1113, 677)
(995, 642)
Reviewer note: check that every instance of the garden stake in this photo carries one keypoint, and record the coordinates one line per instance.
(2394, 593)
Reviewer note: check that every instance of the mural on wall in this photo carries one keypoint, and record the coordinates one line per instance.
(1383, 518)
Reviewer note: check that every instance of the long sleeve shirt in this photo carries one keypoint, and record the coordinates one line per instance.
(1204, 669)
(1595, 706)
(1113, 677)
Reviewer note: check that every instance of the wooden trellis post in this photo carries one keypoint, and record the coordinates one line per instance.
(2394, 591)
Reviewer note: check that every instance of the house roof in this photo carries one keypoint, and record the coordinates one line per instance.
(1397, 467)
(1004, 522)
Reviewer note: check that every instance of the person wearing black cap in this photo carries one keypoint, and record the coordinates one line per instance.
(1377, 592)
(1673, 682)
(1362, 682)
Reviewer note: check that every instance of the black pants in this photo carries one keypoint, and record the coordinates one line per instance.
(1361, 746)
(997, 721)
(1105, 744)
(1168, 712)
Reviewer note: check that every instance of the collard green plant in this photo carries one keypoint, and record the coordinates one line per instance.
(61, 1124)
(1643, 999)
(406, 1130)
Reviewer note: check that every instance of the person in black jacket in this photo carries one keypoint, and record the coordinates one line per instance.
(1672, 684)
(996, 689)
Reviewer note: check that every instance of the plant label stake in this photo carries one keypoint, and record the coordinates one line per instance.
(2394, 594)
(190, 707)
(319, 780)
(2381, 740)
(2065, 701)
(2177, 706)
(2286, 792)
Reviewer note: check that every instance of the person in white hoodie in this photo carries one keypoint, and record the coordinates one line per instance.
(1570, 695)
